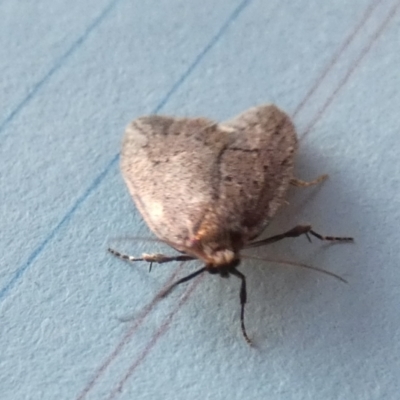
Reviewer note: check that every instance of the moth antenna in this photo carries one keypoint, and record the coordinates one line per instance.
(296, 264)
(183, 280)
(136, 238)
(159, 296)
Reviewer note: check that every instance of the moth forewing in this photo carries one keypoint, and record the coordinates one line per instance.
(209, 189)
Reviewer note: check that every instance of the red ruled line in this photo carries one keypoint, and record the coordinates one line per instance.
(337, 55)
(128, 335)
(352, 68)
(161, 331)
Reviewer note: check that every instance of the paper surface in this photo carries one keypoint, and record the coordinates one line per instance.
(73, 74)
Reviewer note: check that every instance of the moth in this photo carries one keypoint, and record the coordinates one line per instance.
(209, 189)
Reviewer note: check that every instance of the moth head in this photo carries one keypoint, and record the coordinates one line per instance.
(214, 245)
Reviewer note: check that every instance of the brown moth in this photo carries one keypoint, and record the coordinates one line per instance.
(209, 189)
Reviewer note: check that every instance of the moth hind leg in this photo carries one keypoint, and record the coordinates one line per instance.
(299, 183)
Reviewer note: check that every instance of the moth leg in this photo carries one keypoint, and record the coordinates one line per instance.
(151, 258)
(300, 183)
(298, 231)
(184, 279)
(243, 300)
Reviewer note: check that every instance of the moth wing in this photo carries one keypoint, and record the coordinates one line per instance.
(257, 167)
(167, 164)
